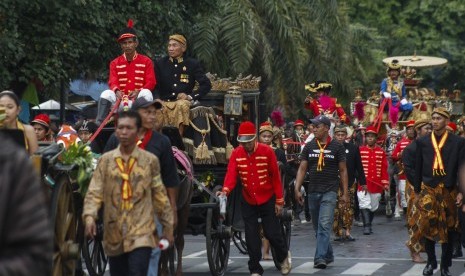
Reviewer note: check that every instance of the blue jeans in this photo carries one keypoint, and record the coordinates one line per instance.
(322, 207)
(155, 254)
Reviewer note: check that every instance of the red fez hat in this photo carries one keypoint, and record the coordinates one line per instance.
(452, 127)
(42, 119)
(371, 129)
(128, 32)
(410, 123)
(299, 122)
(247, 132)
(266, 126)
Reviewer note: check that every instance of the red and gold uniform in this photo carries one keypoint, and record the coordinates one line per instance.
(127, 76)
(317, 109)
(258, 172)
(262, 196)
(321, 103)
(374, 163)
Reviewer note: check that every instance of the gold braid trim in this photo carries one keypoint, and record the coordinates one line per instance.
(202, 150)
(229, 147)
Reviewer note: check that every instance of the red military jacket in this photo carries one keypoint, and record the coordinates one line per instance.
(397, 152)
(375, 166)
(317, 109)
(258, 172)
(129, 76)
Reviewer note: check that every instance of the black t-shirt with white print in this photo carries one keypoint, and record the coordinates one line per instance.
(328, 178)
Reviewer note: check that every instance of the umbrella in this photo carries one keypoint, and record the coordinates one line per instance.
(54, 105)
(88, 87)
(417, 61)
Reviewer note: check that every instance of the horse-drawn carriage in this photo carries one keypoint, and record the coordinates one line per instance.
(204, 150)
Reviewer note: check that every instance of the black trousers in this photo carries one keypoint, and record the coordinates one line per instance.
(134, 263)
(446, 254)
(271, 230)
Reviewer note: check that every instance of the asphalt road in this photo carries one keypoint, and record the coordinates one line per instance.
(382, 253)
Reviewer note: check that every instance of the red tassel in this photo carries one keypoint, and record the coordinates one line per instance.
(394, 114)
(359, 112)
(423, 107)
(277, 118)
(130, 23)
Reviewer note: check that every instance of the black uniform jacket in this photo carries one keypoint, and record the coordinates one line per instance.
(176, 76)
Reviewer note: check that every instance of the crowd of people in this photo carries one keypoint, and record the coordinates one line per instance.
(338, 173)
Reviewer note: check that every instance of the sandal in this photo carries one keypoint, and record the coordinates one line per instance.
(350, 238)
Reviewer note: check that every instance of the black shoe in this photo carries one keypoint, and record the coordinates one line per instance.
(308, 218)
(338, 238)
(366, 230)
(429, 269)
(321, 264)
(350, 238)
(445, 271)
(457, 253)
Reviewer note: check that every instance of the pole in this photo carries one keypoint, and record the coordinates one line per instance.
(62, 102)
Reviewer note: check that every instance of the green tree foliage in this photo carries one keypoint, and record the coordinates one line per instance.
(428, 27)
(289, 43)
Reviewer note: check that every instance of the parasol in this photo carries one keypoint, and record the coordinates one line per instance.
(417, 61)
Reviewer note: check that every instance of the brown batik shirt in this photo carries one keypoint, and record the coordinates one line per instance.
(128, 229)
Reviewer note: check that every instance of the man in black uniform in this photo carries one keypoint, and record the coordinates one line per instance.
(344, 215)
(435, 184)
(176, 77)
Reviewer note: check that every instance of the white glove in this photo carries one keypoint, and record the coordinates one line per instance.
(387, 95)
(404, 101)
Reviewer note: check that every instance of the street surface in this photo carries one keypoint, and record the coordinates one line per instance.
(382, 253)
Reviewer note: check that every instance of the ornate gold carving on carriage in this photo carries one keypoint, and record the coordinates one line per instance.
(207, 139)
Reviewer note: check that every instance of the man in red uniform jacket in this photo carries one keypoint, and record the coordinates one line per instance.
(262, 196)
(396, 156)
(322, 103)
(374, 163)
(131, 76)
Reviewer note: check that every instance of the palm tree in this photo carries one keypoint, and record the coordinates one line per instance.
(289, 43)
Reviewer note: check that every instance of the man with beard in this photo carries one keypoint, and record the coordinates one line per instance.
(435, 183)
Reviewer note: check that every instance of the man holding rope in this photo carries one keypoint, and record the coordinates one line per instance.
(131, 76)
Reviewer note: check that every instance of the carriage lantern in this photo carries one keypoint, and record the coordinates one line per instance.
(233, 102)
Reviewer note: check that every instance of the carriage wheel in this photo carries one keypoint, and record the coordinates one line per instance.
(64, 219)
(286, 232)
(218, 242)
(239, 242)
(92, 251)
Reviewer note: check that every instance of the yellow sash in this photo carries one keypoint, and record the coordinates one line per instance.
(438, 166)
(126, 189)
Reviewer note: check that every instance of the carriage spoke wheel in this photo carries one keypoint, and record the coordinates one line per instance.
(239, 242)
(218, 242)
(64, 219)
(92, 251)
(286, 232)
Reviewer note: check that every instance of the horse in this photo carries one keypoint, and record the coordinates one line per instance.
(186, 173)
